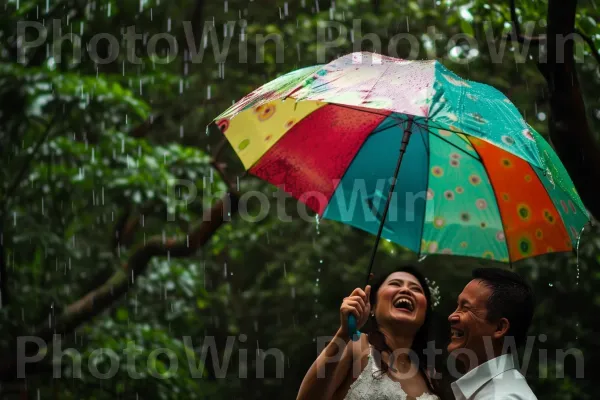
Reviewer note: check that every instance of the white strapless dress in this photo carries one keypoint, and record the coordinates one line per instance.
(380, 388)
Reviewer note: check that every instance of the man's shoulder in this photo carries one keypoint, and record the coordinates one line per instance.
(511, 384)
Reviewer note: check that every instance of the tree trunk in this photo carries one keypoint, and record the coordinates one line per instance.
(570, 132)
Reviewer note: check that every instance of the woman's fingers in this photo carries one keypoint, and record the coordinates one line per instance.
(355, 305)
(359, 292)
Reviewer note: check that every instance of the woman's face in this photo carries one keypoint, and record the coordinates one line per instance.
(401, 298)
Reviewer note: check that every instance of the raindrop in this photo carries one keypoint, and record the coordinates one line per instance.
(317, 5)
(317, 220)
(180, 130)
(285, 8)
(208, 92)
(284, 270)
(541, 116)
(550, 284)
(169, 25)
(226, 5)
(577, 249)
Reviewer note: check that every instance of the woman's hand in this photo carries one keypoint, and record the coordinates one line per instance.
(357, 304)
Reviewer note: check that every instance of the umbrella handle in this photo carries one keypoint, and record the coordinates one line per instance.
(352, 331)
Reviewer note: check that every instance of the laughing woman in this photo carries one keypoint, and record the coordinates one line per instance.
(387, 362)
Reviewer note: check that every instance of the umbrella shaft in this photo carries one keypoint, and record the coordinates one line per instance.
(403, 146)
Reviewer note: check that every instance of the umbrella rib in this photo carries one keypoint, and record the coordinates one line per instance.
(455, 146)
(376, 82)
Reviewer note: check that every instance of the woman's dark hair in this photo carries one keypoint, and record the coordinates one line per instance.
(422, 337)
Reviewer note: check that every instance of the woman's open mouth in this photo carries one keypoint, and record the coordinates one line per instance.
(405, 304)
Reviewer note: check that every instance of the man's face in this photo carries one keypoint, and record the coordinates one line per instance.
(469, 325)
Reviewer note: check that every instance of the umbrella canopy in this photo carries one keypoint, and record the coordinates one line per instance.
(476, 179)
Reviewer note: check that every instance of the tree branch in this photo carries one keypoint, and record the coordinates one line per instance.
(123, 280)
(106, 294)
(515, 35)
(590, 42)
(514, 18)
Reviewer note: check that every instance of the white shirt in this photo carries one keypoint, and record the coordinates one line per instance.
(496, 379)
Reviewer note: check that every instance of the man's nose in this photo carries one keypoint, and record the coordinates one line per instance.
(453, 318)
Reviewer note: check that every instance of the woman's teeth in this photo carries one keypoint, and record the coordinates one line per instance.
(404, 303)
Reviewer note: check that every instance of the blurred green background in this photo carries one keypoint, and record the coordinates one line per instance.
(99, 244)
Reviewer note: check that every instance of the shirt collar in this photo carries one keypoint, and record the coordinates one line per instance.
(473, 380)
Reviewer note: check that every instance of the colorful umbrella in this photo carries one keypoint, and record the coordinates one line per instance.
(474, 179)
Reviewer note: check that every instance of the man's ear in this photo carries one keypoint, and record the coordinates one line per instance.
(502, 327)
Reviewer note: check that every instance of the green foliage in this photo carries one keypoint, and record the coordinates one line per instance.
(85, 143)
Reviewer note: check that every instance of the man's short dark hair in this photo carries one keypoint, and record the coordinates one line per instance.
(511, 298)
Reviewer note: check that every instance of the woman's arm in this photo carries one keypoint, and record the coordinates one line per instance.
(333, 365)
(329, 370)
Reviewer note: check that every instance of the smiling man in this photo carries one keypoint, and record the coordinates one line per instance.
(494, 309)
